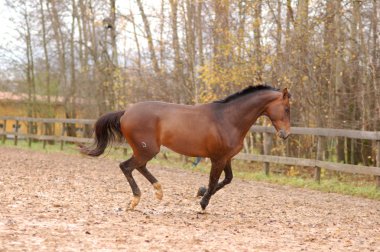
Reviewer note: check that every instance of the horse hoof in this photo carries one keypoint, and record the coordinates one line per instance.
(158, 190)
(134, 202)
(203, 205)
(201, 191)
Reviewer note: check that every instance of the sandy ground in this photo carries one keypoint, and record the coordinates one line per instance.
(61, 202)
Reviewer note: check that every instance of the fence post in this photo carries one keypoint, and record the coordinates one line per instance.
(30, 132)
(5, 131)
(16, 132)
(378, 163)
(317, 170)
(45, 133)
(267, 141)
(63, 134)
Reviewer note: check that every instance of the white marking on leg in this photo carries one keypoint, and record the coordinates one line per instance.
(134, 202)
(158, 190)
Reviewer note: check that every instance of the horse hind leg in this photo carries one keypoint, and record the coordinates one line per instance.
(142, 153)
(146, 150)
(156, 185)
(127, 168)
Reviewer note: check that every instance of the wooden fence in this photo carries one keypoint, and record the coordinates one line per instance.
(318, 163)
(61, 129)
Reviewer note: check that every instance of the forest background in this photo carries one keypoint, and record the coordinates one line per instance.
(100, 55)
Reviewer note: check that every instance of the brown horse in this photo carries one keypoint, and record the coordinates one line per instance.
(214, 130)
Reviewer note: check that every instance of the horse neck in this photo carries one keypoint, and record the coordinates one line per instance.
(244, 111)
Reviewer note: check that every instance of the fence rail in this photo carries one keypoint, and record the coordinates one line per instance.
(356, 134)
(266, 159)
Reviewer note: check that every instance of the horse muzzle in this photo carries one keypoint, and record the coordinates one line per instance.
(283, 134)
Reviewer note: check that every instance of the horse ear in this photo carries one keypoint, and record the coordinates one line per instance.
(285, 93)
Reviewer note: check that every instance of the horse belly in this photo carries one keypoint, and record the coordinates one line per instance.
(185, 129)
(187, 150)
(185, 142)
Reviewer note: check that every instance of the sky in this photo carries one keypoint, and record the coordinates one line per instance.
(7, 39)
(6, 27)
(8, 32)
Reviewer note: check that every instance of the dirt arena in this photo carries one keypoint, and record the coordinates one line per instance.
(62, 202)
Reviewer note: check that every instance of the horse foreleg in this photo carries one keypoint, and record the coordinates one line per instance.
(127, 168)
(216, 170)
(227, 176)
(156, 185)
(227, 179)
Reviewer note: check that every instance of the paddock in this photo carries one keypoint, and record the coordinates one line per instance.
(65, 202)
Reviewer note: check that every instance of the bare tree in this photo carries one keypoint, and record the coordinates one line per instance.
(149, 36)
(178, 63)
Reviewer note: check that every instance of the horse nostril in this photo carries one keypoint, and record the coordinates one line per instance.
(283, 134)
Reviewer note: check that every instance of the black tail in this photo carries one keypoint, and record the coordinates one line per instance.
(107, 130)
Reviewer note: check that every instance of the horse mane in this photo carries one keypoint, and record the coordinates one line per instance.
(245, 91)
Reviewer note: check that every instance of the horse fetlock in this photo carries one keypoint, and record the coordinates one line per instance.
(201, 191)
(158, 190)
(135, 201)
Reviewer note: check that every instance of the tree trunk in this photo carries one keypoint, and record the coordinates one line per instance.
(338, 73)
(60, 43)
(221, 32)
(30, 71)
(50, 109)
(257, 40)
(162, 41)
(199, 31)
(375, 65)
(137, 44)
(70, 99)
(85, 41)
(190, 49)
(199, 41)
(149, 37)
(178, 63)
(113, 32)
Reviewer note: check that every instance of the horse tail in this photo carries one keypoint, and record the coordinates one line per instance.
(107, 130)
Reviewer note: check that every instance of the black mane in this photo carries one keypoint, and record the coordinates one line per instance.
(245, 91)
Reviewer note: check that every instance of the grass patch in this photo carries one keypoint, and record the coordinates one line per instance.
(331, 185)
(38, 146)
(241, 169)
